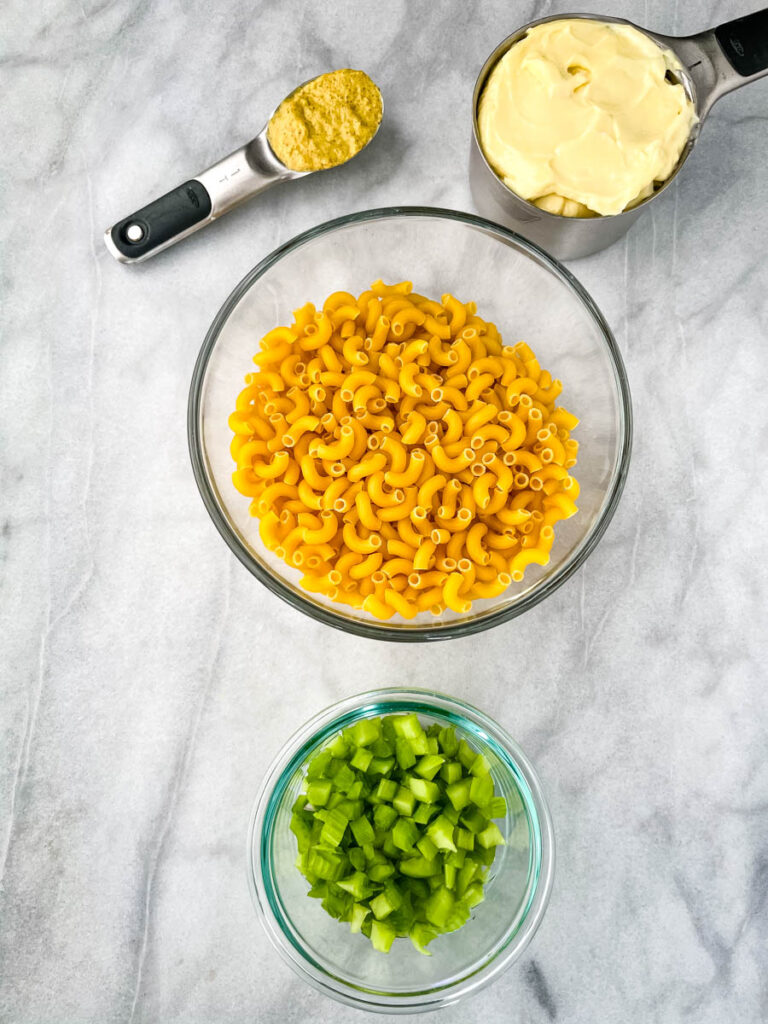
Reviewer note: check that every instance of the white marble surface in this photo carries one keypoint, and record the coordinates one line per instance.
(144, 689)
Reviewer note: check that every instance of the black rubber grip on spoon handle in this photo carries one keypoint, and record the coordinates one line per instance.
(162, 220)
(744, 42)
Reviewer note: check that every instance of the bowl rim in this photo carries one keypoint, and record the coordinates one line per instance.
(375, 630)
(388, 700)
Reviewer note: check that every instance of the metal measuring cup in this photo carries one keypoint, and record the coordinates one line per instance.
(245, 173)
(714, 63)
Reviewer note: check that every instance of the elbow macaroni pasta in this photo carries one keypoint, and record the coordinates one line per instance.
(399, 455)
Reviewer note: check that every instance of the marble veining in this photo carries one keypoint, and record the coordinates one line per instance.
(147, 680)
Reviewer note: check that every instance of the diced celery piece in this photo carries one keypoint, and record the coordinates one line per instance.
(337, 904)
(481, 790)
(381, 765)
(387, 901)
(458, 916)
(480, 766)
(496, 808)
(474, 895)
(333, 829)
(318, 764)
(441, 833)
(419, 867)
(466, 754)
(344, 778)
(429, 766)
(420, 744)
(384, 816)
(361, 759)
(382, 748)
(458, 793)
(357, 858)
(465, 840)
(404, 754)
(302, 830)
(350, 808)
(334, 799)
(366, 731)
(326, 864)
(435, 881)
(449, 874)
(404, 802)
(439, 906)
(465, 876)
(491, 836)
(362, 830)
(426, 848)
(433, 729)
(424, 812)
(339, 747)
(389, 848)
(408, 726)
(355, 791)
(421, 935)
(448, 742)
(451, 772)
(388, 728)
(425, 792)
(357, 916)
(474, 820)
(456, 858)
(404, 834)
(451, 814)
(387, 790)
(432, 745)
(379, 872)
(318, 792)
(382, 936)
(356, 884)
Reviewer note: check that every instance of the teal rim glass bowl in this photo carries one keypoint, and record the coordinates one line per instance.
(523, 290)
(344, 966)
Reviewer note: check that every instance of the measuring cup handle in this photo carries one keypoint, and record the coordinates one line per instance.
(725, 58)
(219, 189)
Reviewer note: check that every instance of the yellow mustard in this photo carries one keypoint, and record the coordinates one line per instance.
(580, 119)
(326, 121)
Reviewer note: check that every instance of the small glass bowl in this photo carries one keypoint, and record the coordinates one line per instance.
(344, 966)
(517, 286)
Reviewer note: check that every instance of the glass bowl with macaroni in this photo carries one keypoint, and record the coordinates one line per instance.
(418, 459)
(324, 952)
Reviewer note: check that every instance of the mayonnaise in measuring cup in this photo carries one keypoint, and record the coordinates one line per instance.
(579, 117)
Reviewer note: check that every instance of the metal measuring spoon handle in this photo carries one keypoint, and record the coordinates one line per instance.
(724, 58)
(204, 198)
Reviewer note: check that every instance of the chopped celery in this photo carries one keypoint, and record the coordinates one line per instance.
(429, 766)
(424, 812)
(333, 829)
(424, 791)
(361, 759)
(480, 766)
(384, 816)
(404, 834)
(366, 731)
(387, 790)
(394, 829)
(426, 848)
(404, 802)
(481, 790)
(458, 793)
(382, 936)
(404, 754)
(491, 836)
(441, 833)
(318, 792)
(362, 830)
(359, 914)
(497, 807)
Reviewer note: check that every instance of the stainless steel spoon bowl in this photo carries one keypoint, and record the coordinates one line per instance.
(251, 169)
(714, 63)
